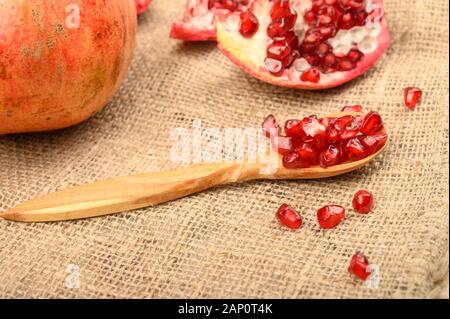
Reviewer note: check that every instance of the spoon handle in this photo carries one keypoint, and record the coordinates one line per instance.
(127, 193)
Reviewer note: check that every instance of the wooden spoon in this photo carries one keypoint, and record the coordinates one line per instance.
(126, 193)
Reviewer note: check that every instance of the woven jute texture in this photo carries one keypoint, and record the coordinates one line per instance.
(226, 242)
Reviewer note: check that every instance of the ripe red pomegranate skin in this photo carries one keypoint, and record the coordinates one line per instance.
(330, 216)
(142, 6)
(330, 42)
(289, 217)
(358, 266)
(363, 201)
(53, 74)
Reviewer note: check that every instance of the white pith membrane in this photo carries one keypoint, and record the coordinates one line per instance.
(371, 39)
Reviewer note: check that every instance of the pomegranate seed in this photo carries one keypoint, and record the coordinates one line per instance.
(332, 135)
(310, 17)
(249, 24)
(231, 5)
(374, 142)
(292, 39)
(293, 128)
(282, 144)
(323, 49)
(274, 66)
(312, 75)
(329, 157)
(289, 217)
(309, 152)
(278, 28)
(330, 216)
(281, 9)
(412, 97)
(349, 134)
(346, 65)
(372, 123)
(270, 126)
(342, 122)
(279, 50)
(329, 60)
(352, 108)
(358, 266)
(293, 160)
(363, 201)
(355, 149)
(354, 55)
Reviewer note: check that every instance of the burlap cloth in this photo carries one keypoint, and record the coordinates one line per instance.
(226, 242)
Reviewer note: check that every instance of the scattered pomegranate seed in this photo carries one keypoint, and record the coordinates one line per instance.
(248, 23)
(363, 201)
(352, 108)
(412, 97)
(330, 216)
(312, 75)
(372, 123)
(358, 266)
(289, 217)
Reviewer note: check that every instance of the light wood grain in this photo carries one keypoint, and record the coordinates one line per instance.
(137, 191)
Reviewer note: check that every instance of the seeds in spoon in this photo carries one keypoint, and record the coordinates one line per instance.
(327, 141)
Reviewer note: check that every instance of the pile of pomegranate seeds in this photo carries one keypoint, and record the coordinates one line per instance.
(330, 216)
(289, 217)
(412, 97)
(284, 47)
(358, 266)
(363, 201)
(326, 141)
(325, 19)
(248, 23)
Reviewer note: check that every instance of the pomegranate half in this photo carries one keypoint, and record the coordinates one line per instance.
(307, 44)
(61, 61)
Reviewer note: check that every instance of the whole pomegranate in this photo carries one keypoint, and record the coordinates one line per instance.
(61, 61)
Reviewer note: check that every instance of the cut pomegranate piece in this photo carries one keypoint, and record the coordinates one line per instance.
(199, 20)
(330, 216)
(372, 123)
(330, 43)
(358, 266)
(363, 201)
(142, 5)
(352, 108)
(412, 97)
(289, 217)
(249, 24)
